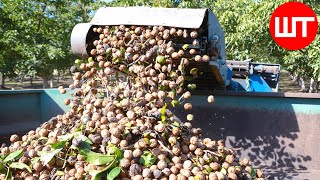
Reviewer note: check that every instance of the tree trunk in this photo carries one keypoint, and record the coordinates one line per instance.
(58, 76)
(45, 82)
(21, 79)
(317, 86)
(51, 83)
(2, 81)
(312, 87)
(295, 78)
(31, 81)
(291, 76)
(302, 85)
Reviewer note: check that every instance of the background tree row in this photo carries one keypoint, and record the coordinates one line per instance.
(35, 35)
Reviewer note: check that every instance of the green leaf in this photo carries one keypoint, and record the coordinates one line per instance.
(209, 169)
(82, 137)
(162, 88)
(147, 140)
(194, 71)
(113, 173)
(59, 173)
(192, 86)
(35, 160)
(175, 103)
(2, 168)
(66, 137)
(78, 61)
(96, 158)
(185, 47)
(253, 172)
(147, 159)
(84, 146)
(163, 112)
(95, 174)
(188, 78)
(12, 156)
(113, 150)
(46, 157)
(122, 50)
(128, 124)
(20, 165)
(58, 145)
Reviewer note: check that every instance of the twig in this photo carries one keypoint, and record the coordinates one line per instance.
(181, 98)
(135, 61)
(196, 161)
(164, 147)
(211, 152)
(146, 41)
(127, 147)
(161, 144)
(103, 149)
(235, 149)
(130, 41)
(163, 43)
(128, 83)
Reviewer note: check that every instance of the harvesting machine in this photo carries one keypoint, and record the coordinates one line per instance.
(218, 73)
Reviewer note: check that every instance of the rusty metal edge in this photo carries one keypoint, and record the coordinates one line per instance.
(259, 94)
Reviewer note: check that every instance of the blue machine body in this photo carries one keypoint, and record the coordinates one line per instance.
(253, 77)
(254, 83)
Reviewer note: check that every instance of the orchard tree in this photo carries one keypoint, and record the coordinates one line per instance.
(42, 31)
(10, 47)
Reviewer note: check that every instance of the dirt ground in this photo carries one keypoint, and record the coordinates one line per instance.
(14, 84)
(286, 84)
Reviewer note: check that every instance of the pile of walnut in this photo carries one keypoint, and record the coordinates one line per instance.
(119, 125)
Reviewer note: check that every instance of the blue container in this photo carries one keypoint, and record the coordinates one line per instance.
(24, 110)
(276, 131)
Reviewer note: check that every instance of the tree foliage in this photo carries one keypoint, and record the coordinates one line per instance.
(36, 35)
(9, 35)
(306, 62)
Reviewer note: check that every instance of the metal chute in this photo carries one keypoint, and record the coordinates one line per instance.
(212, 41)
